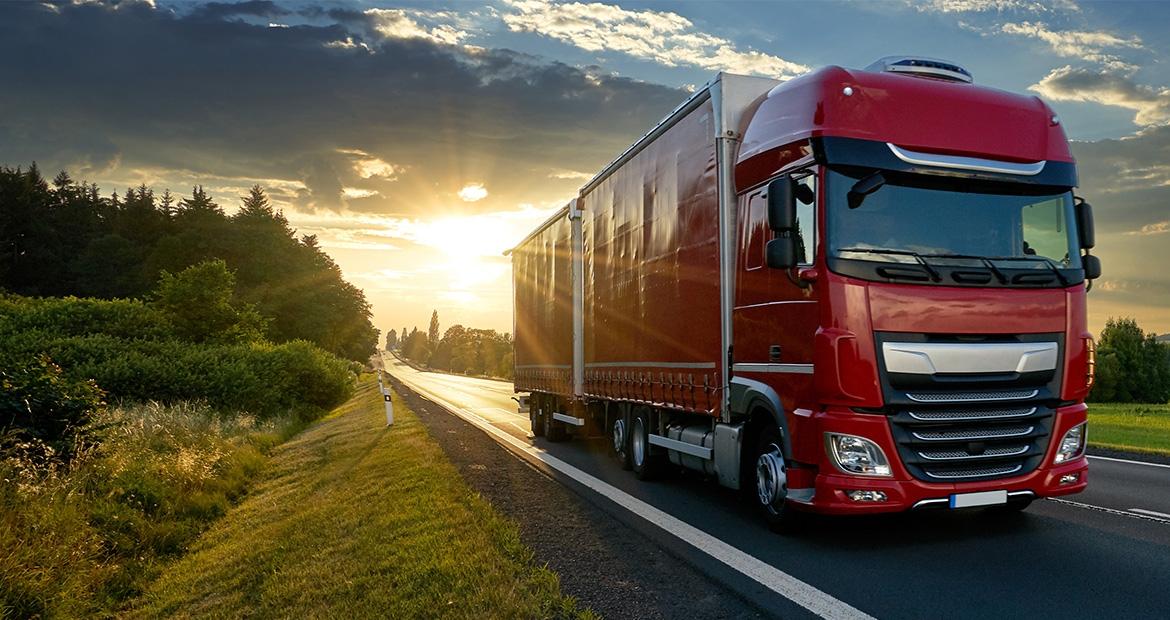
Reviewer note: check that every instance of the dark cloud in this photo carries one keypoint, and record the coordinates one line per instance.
(251, 8)
(1127, 178)
(231, 98)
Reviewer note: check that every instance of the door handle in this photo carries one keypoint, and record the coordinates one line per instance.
(774, 353)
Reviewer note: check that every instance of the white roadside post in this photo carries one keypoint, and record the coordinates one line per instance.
(389, 408)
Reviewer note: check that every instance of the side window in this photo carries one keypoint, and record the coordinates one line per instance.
(756, 232)
(1045, 232)
(806, 223)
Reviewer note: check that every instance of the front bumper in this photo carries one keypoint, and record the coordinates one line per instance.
(903, 491)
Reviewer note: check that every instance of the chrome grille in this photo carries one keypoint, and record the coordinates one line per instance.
(960, 455)
(970, 397)
(951, 415)
(990, 471)
(975, 435)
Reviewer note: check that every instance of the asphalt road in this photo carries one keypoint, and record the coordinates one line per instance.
(1102, 553)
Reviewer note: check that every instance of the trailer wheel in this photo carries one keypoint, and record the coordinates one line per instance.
(535, 417)
(645, 464)
(554, 430)
(620, 435)
(770, 478)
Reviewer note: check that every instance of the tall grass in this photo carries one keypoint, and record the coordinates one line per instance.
(78, 538)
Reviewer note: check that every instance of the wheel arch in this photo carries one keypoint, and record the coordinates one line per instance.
(757, 403)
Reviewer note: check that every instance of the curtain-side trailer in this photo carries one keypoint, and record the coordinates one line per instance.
(855, 291)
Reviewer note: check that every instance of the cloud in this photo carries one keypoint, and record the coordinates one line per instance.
(1150, 104)
(473, 192)
(1157, 228)
(401, 24)
(367, 166)
(396, 115)
(1084, 44)
(659, 36)
(992, 6)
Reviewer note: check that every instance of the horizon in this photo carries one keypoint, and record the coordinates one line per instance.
(426, 139)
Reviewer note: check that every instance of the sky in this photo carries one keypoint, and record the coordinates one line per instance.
(421, 140)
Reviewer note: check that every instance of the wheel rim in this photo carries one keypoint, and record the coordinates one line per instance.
(637, 442)
(771, 478)
(619, 436)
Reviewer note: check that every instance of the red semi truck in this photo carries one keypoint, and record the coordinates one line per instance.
(850, 292)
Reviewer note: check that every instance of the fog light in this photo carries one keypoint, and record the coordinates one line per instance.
(866, 496)
(856, 455)
(1072, 445)
(1070, 478)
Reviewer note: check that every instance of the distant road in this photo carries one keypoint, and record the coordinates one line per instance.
(1102, 553)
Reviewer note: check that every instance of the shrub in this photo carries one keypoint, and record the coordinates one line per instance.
(39, 405)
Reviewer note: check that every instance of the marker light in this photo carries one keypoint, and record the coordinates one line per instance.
(1072, 445)
(856, 455)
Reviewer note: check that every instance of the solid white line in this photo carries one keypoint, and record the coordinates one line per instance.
(791, 588)
(1112, 511)
(1150, 513)
(1109, 458)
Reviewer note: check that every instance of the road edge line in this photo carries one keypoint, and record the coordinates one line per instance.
(791, 588)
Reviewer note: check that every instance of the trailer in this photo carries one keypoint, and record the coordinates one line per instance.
(851, 292)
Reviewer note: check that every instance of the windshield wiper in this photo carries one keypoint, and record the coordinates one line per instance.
(934, 275)
(983, 259)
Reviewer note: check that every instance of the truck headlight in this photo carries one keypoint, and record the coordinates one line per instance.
(1072, 445)
(857, 455)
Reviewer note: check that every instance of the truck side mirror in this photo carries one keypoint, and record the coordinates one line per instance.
(781, 205)
(1091, 263)
(1087, 235)
(780, 253)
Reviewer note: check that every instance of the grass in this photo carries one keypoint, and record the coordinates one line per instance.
(355, 520)
(1130, 426)
(80, 539)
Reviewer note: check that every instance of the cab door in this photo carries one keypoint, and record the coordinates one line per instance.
(775, 319)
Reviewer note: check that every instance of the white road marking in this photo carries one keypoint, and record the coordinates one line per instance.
(1150, 513)
(1108, 458)
(1113, 511)
(791, 588)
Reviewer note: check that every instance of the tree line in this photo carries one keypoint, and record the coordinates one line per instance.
(63, 238)
(460, 349)
(1132, 365)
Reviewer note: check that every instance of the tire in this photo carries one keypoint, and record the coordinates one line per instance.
(769, 488)
(620, 438)
(646, 464)
(535, 419)
(554, 430)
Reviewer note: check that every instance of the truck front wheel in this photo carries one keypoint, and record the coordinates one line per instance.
(771, 481)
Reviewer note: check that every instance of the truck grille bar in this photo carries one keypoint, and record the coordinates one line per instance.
(976, 443)
(969, 397)
(975, 435)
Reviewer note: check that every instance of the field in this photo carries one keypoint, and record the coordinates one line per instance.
(1130, 426)
(354, 519)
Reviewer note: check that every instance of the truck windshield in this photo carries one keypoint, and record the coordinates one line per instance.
(948, 227)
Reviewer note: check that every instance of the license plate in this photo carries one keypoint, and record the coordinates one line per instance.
(983, 498)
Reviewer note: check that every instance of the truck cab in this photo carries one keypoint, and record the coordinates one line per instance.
(910, 296)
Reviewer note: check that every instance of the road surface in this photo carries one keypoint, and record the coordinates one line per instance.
(1102, 553)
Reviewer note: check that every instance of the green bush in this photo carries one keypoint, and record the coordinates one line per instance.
(42, 407)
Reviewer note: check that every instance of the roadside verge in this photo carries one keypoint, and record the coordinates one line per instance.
(355, 519)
